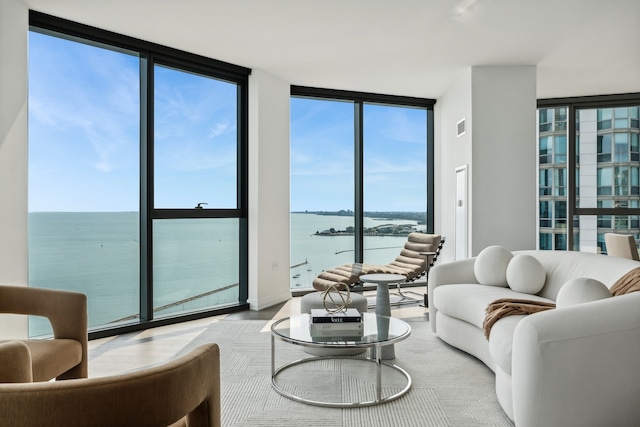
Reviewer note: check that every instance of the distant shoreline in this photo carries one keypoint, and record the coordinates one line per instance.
(419, 217)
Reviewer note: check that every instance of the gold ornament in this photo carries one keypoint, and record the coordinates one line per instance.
(335, 300)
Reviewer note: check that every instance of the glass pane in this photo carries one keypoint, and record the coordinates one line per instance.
(604, 148)
(560, 207)
(552, 173)
(621, 123)
(634, 112)
(560, 119)
(544, 149)
(395, 178)
(605, 181)
(195, 264)
(605, 113)
(560, 183)
(196, 141)
(545, 242)
(561, 149)
(545, 120)
(622, 118)
(544, 210)
(560, 242)
(622, 181)
(322, 187)
(84, 141)
(621, 143)
(614, 163)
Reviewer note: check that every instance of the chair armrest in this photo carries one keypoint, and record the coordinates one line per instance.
(577, 366)
(15, 363)
(455, 272)
(161, 395)
(67, 312)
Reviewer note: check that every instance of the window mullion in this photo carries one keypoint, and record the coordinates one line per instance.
(571, 172)
(359, 181)
(146, 187)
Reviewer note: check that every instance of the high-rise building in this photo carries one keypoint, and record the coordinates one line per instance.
(606, 188)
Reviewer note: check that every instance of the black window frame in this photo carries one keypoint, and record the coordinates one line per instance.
(151, 54)
(573, 105)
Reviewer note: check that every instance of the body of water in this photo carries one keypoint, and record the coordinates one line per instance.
(317, 253)
(196, 261)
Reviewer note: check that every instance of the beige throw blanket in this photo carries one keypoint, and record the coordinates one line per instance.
(498, 309)
(630, 282)
(509, 307)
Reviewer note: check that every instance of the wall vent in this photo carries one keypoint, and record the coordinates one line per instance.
(461, 127)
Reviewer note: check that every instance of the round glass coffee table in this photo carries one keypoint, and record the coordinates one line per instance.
(377, 332)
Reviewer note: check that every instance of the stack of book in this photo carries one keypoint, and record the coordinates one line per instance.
(342, 326)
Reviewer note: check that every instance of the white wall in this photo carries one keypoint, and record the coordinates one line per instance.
(14, 19)
(269, 102)
(451, 152)
(499, 104)
(504, 157)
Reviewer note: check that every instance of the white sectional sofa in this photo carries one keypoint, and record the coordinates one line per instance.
(576, 365)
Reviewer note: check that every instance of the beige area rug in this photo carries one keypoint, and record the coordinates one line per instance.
(449, 387)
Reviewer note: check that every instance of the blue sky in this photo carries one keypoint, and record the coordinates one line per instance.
(84, 139)
(322, 156)
(83, 126)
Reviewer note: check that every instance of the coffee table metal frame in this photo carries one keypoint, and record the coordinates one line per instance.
(374, 346)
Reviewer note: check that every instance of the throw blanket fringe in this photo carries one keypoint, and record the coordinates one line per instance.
(630, 282)
(509, 307)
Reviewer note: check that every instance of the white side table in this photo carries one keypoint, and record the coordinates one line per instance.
(383, 308)
(426, 292)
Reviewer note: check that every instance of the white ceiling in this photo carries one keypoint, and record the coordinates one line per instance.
(399, 47)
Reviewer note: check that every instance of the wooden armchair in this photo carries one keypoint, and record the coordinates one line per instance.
(64, 356)
(182, 392)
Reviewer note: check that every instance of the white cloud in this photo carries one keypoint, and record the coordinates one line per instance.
(104, 165)
(218, 129)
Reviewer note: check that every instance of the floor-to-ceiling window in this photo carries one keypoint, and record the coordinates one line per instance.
(196, 261)
(394, 178)
(137, 177)
(361, 177)
(600, 151)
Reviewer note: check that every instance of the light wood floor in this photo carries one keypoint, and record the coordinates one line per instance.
(137, 350)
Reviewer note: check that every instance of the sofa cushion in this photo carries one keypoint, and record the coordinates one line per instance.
(468, 302)
(581, 290)
(562, 266)
(525, 274)
(491, 264)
